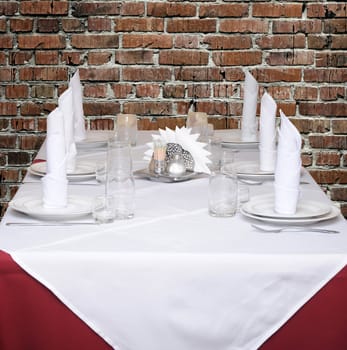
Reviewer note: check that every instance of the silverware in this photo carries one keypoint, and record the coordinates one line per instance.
(49, 223)
(293, 229)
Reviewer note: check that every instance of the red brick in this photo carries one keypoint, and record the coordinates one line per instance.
(288, 108)
(139, 25)
(99, 24)
(290, 58)
(149, 41)
(199, 91)
(228, 42)
(334, 26)
(223, 10)
(94, 41)
(101, 108)
(8, 141)
(132, 9)
(177, 25)
(54, 41)
(8, 8)
(2, 58)
(199, 74)
(148, 108)
(330, 141)
(99, 58)
(325, 75)
(186, 41)
(243, 26)
(323, 109)
(148, 90)
(134, 57)
(281, 41)
(239, 58)
(42, 91)
(72, 58)
(213, 108)
(99, 74)
(72, 25)
(326, 10)
(328, 158)
(187, 57)
(338, 194)
(43, 73)
(2, 25)
(18, 158)
(21, 25)
(331, 176)
(9, 175)
(332, 93)
(48, 25)
(17, 91)
(173, 91)
(224, 90)
(233, 74)
(164, 9)
(23, 124)
(306, 93)
(43, 7)
(31, 142)
(339, 126)
(306, 126)
(331, 59)
(8, 108)
(102, 124)
(160, 123)
(306, 159)
(296, 26)
(95, 90)
(4, 124)
(6, 41)
(339, 42)
(19, 57)
(275, 74)
(277, 10)
(7, 74)
(146, 74)
(30, 108)
(97, 9)
(122, 90)
(46, 57)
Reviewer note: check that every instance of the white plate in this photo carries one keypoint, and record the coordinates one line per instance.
(250, 170)
(334, 212)
(146, 174)
(82, 168)
(32, 206)
(233, 139)
(95, 138)
(264, 206)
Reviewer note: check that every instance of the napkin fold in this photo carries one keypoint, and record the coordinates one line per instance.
(249, 122)
(78, 114)
(267, 133)
(65, 104)
(54, 183)
(288, 167)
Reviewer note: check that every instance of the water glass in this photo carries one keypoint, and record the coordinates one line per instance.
(214, 146)
(126, 128)
(222, 195)
(104, 209)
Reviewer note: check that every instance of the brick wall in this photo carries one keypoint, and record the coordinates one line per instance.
(159, 59)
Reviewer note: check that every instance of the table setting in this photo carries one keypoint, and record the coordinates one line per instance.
(155, 240)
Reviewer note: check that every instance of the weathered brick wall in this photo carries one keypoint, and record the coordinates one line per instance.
(159, 59)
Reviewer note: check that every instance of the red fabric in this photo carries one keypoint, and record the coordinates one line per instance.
(32, 318)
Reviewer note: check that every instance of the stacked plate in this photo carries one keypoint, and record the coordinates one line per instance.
(94, 139)
(233, 139)
(250, 170)
(308, 211)
(84, 171)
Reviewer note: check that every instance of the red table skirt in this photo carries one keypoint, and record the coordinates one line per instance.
(32, 318)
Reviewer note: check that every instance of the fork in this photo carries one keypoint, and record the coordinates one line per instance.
(293, 229)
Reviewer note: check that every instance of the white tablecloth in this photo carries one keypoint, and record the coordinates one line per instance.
(174, 277)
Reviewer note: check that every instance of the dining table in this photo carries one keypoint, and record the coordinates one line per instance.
(173, 276)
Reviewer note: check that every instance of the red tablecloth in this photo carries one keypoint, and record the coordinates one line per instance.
(32, 318)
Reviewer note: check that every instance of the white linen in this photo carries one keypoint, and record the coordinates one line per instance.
(267, 133)
(249, 122)
(65, 104)
(288, 167)
(54, 183)
(174, 277)
(78, 113)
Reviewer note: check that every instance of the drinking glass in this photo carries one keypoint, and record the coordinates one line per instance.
(104, 209)
(126, 128)
(222, 194)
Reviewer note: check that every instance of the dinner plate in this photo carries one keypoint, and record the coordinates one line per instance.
(233, 139)
(32, 205)
(263, 206)
(333, 213)
(94, 139)
(147, 174)
(250, 170)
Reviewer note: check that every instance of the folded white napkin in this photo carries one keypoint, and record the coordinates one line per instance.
(267, 133)
(288, 167)
(78, 114)
(249, 122)
(65, 104)
(189, 142)
(54, 183)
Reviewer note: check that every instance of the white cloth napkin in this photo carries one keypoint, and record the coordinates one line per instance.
(249, 122)
(54, 183)
(288, 167)
(65, 104)
(78, 114)
(189, 142)
(267, 133)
